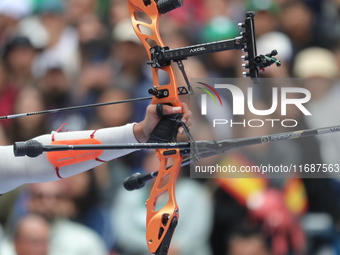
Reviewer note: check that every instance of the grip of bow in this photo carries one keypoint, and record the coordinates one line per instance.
(162, 216)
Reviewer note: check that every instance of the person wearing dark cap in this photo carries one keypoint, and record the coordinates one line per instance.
(267, 12)
(19, 55)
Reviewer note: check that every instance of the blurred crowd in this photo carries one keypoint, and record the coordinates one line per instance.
(59, 53)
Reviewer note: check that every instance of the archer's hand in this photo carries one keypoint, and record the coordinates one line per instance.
(143, 129)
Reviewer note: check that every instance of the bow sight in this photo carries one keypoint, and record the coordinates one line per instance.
(163, 56)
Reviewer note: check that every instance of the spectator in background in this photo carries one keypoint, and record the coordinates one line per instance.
(19, 55)
(110, 176)
(318, 67)
(131, 72)
(192, 15)
(29, 99)
(62, 43)
(87, 207)
(94, 78)
(95, 75)
(11, 12)
(51, 201)
(75, 10)
(55, 86)
(297, 20)
(118, 12)
(93, 39)
(266, 15)
(130, 55)
(114, 115)
(221, 64)
(8, 94)
(328, 26)
(248, 243)
(254, 201)
(31, 237)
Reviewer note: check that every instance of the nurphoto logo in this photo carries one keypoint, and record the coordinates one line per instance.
(281, 99)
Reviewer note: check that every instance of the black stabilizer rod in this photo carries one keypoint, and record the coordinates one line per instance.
(137, 180)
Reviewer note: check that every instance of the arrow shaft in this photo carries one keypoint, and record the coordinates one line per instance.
(71, 108)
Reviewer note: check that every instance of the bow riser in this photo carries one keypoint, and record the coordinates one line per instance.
(151, 11)
(160, 223)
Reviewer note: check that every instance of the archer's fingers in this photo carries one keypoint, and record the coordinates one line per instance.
(186, 115)
(167, 109)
